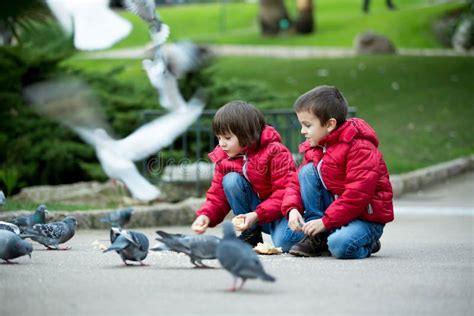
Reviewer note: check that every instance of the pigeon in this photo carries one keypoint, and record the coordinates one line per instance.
(239, 258)
(171, 62)
(10, 227)
(3, 199)
(119, 218)
(12, 246)
(130, 245)
(197, 247)
(53, 234)
(94, 24)
(71, 102)
(26, 221)
(146, 9)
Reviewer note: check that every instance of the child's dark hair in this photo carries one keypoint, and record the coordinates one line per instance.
(324, 102)
(242, 119)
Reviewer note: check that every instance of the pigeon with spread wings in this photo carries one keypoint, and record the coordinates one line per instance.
(72, 103)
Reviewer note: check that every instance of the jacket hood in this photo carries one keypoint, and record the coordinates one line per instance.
(269, 135)
(351, 129)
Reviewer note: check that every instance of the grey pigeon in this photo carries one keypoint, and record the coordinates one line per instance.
(198, 247)
(3, 199)
(27, 221)
(239, 258)
(118, 218)
(12, 246)
(53, 234)
(10, 227)
(146, 9)
(130, 245)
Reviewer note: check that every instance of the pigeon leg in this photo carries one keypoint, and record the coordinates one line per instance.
(241, 284)
(233, 288)
(9, 262)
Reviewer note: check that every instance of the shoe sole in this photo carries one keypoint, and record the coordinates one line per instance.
(297, 253)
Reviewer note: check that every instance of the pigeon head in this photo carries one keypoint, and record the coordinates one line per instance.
(22, 248)
(228, 229)
(70, 221)
(42, 209)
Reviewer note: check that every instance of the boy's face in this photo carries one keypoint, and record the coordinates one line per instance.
(229, 144)
(311, 127)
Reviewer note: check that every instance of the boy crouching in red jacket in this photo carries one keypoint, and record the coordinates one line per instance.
(252, 170)
(341, 196)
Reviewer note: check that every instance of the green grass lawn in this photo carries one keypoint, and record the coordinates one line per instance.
(338, 22)
(422, 108)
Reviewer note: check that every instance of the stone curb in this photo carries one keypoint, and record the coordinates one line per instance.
(415, 180)
(168, 214)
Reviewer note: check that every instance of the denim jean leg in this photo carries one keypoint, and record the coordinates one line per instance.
(282, 235)
(354, 241)
(240, 196)
(316, 198)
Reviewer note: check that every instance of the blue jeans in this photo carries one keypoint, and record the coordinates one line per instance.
(242, 199)
(351, 241)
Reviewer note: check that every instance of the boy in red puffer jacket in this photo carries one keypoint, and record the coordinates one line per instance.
(252, 169)
(341, 196)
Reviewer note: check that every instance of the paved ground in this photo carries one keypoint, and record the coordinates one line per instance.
(274, 51)
(425, 267)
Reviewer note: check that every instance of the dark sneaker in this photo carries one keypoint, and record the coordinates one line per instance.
(252, 236)
(316, 246)
(376, 247)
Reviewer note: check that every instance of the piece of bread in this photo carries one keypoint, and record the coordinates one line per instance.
(238, 222)
(266, 249)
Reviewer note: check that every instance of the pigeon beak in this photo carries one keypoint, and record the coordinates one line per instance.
(29, 255)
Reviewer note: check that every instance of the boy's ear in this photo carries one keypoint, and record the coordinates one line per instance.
(331, 124)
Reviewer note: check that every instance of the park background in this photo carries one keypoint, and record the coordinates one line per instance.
(420, 103)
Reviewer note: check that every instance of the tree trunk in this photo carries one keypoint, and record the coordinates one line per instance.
(304, 22)
(273, 17)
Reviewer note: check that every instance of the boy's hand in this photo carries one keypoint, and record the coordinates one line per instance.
(314, 227)
(295, 220)
(249, 219)
(200, 224)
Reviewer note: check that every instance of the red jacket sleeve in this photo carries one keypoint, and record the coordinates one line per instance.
(215, 207)
(292, 198)
(282, 167)
(359, 187)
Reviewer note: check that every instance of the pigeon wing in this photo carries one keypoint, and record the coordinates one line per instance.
(145, 9)
(159, 133)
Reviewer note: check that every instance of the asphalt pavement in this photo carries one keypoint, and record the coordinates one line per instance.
(425, 266)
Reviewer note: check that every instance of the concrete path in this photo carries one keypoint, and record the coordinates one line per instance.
(426, 266)
(273, 51)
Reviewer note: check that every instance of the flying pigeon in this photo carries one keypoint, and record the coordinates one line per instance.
(94, 24)
(12, 246)
(53, 234)
(130, 245)
(3, 199)
(171, 62)
(38, 217)
(146, 9)
(10, 227)
(197, 247)
(70, 102)
(239, 258)
(118, 218)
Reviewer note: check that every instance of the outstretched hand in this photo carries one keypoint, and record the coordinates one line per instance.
(200, 224)
(249, 220)
(295, 220)
(314, 227)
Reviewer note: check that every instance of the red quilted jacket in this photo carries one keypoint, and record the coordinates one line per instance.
(352, 168)
(269, 168)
